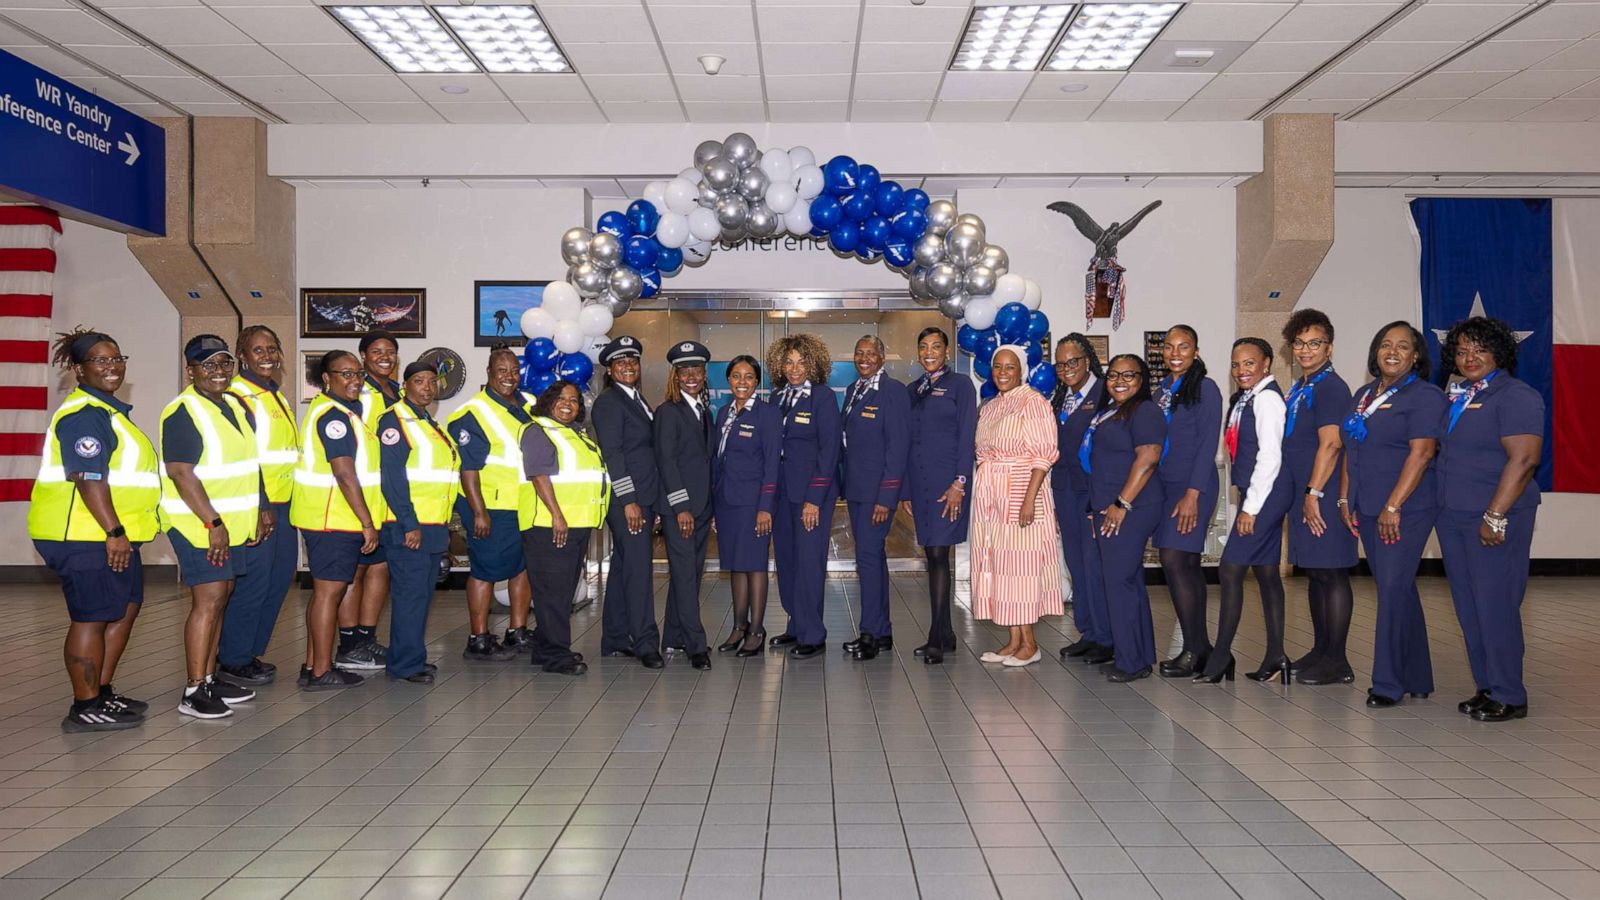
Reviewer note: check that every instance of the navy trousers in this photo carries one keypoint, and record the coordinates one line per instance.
(872, 567)
(1401, 663)
(554, 573)
(1487, 585)
(802, 558)
(628, 620)
(1133, 632)
(686, 566)
(1089, 613)
(252, 611)
(412, 577)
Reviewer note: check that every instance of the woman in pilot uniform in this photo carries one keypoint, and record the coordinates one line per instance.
(1080, 392)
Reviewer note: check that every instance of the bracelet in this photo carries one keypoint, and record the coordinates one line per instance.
(1313, 492)
(1497, 524)
(1392, 509)
(1342, 502)
(1123, 503)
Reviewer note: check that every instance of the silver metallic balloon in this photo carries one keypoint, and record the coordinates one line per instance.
(721, 173)
(955, 305)
(753, 184)
(919, 286)
(575, 245)
(980, 280)
(626, 284)
(970, 219)
(605, 251)
(731, 236)
(731, 211)
(762, 222)
(941, 215)
(995, 258)
(944, 279)
(740, 149)
(572, 271)
(928, 250)
(964, 244)
(590, 279)
(618, 306)
(708, 196)
(706, 152)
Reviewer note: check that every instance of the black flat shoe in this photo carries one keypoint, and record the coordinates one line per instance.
(423, 677)
(701, 661)
(1474, 703)
(806, 651)
(1225, 673)
(1117, 676)
(866, 648)
(933, 656)
(1495, 711)
(1077, 648)
(1306, 663)
(1326, 673)
(568, 667)
(745, 652)
(1379, 701)
(1271, 672)
(733, 641)
(1420, 695)
(1100, 655)
(652, 660)
(1184, 665)
(783, 640)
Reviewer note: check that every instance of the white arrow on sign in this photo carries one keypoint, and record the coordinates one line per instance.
(130, 147)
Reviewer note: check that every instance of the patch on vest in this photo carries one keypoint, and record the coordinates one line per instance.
(336, 429)
(87, 447)
(390, 436)
(463, 437)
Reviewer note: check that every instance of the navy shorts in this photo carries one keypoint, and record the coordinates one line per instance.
(377, 557)
(333, 555)
(194, 568)
(497, 557)
(94, 593)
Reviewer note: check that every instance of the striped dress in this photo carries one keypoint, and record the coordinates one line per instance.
(1016, 571)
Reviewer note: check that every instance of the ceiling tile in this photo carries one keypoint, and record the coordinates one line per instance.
(1224, 21)
(128, 61)
(1329, 21)
(273, 89)
(180, 89)
(890, 111)
(1345, 85)
(1592, 89)
(1565, 109)
(286, 24)
(904, 22)
(1503, 55)
(1571, 21)
(174, 26)
(795, 111)
(1096, 86)
(219, 109)
(234, 59)
(902, 87)
(1159, 86)
(543, 87)
(1542, 84)
(1113, 181)
(645, 112)
(316, 113)
(11, 37)
(112, 89)
(1136, 110)
(68, 26)
(722, 87)
(787, 88)
(1583, 181)
(480, 88)
(598, 23)
(434, 184)
(413, 113)
(1247, 85)
(1582, 55)
(741, 59)
(631, 88)
(1298, 56)
(690, 24)
(741, 111)
(615, 59)
(366, 88)
(494, 112)
(560, 113)
(1188, 181)
(1435, 181)
(962, 86)
(1451, 21)
(1485, 110)
(1407, 109)
(1037, 182)
(1332, 107)
(1215, 111)
(1453, 84)
(348, 58)
(1053, 110)
(1162, 56)
(1363, 181)
(516, 184)
(971, 110)
(1395, 56)
(53, 60)
(806, 59)
(816, 22)
(904, 57)
(1510, 181)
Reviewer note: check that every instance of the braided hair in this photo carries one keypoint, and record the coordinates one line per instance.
(1059, 397)
(1188, 393)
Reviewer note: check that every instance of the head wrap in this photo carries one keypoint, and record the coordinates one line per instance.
(1022, 357)
(78, 350)
(419, 366)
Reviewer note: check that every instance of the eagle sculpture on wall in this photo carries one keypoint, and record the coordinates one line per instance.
(1105, 286)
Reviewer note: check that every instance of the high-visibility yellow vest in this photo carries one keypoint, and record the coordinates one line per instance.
(582, 488)
(228, 469)
(318, 504)
(433, 467)
(374, 403)
(277, 436)
(501, 479)
(56, 511)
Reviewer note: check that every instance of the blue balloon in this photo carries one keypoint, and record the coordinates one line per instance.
(651, 281)
(846, 238)
(1012, 323)
(967, 338)
(840, 175)
(1038, 325)
(917, 199)
(909, 223)
(1042, 378)
(869, 179)
(539, 382)
(1035, 353)
(640, 251)
(541, 354)
(889, 198)
(980, 367)
(898, 253)
(817, 231)
(857, 206)
(867, 253)
(826, 213)
(615, 223)
(643, 217)
(669, 261)
(523, 373)
(875, 232)
(988, 390)
(577, 368)
(988, 343)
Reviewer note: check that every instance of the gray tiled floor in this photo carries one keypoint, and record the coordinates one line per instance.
(811, 780)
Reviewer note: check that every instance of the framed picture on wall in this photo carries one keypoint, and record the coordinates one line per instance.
(310, 379)
(1153, 357)
(348, 312)
(497, 308)
(1101, 344)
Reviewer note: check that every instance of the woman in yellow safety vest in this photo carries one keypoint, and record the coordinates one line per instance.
(363, 601)
(569, 478)
(92, 505)
(337, 505)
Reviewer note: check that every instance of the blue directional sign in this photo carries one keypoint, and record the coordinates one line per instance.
(69, 149)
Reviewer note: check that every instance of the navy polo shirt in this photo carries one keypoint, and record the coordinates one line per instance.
(1111, 456)
(1470, 455)
(470, 437)
(86, 437)
(180, 438)
(334, 429)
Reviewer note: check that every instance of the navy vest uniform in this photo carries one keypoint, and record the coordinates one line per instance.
(684, 446)
(877, 439)
(745, 482)
(807, 470)
(1328, 403)
(1264, 546)
(1070, 486)
(625, 430)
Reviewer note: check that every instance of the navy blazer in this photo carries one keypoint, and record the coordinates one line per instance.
(745, 472)
(1067, 474)
(626, 437)
(810, 460)
(877, 439)
(683, 458)
(945, 422)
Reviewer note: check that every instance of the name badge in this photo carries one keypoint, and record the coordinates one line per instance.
(1386, 406)
(747, 434)
(868, 415)
(802, 418)
(744, 427)
(1474, 406)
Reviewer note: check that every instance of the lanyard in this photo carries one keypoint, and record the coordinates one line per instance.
(1303, 390)
(1086, 446)
(1356, 425)
(1464, 399)
(734, 412)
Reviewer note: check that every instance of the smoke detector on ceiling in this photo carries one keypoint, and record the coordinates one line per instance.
(1190, 59)
(712, 63)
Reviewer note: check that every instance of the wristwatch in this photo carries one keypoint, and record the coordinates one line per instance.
(1123, 503)
(1394, 510)
(214, 523)
(119, 531)
(1313, 492)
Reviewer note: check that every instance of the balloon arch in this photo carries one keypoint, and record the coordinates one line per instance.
(736, 191)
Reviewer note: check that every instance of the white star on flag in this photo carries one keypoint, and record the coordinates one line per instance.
(1477, 310)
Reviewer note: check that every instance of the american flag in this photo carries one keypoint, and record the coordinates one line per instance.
(28, 236)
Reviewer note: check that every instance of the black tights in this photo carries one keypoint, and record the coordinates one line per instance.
(1328, 591)
(1186, 581)
(750, 604)
(1271, 584)
(941, 585)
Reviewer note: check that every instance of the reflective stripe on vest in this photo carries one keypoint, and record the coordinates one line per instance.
(581, 486)
(318, 504)
(277, 436)
(56, 511)
(501, 480)
(432, 467)
(227, 469)
(374, 403)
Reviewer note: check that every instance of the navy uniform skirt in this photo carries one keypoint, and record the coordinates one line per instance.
(1264, 546)
(739, 548)
(933, 529)
(1167, 536)
(1336, 549)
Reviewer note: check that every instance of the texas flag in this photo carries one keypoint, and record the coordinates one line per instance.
(1524, 261)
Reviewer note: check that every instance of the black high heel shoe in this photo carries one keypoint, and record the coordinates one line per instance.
(1325, 672)
(1224, 674)
(732, 643)
(760, 638)
(1185, 665)
(1273, 671)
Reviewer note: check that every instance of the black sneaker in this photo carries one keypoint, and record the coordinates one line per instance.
(380, 652)
(203, 704)
(115, 702)
(359, 656)
(98, 717)
(245, 674)
(231, 694)
(305, 675)
(484, 648)
(263, 667)
(332, 680)
(518, 639)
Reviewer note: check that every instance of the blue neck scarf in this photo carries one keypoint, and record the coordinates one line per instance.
(1463, 399)
(1304, 389)
(1356, 425)
(1086, 446)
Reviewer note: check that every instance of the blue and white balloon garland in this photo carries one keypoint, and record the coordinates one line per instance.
(736, 191)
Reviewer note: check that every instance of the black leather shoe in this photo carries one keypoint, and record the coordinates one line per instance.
(1306, 663)
(806, 651)
(1118, 676)
(652, 660)
(1100, 655)
(701, 661)
(1077, 648)
(1326, 672)
(628, 653)
(1184, 665)
(933, 656)
(1379, 701)
(245, 674)
(1271, 671)
(733, 641)
(568, 667)
(264, 667)
(1472, 704)
(783, 640)
(423, 677)
(866, 648)
(1495, 711)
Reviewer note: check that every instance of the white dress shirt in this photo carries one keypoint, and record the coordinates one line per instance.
(1270, 414)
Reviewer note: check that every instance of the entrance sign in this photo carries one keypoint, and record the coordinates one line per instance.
(65, 147)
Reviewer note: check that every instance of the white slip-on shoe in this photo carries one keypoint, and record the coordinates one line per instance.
(1017, 662)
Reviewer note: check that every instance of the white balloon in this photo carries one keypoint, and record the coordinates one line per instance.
(1009, 289)
(680, 195)
(568, 335)
(980, 312)
(561, 301)
(798, 220)
(776, 164)
(656, 193)
(807, 182)
(703, 224)
(1033, 296)
(696, 253)
(801, 156)
(781, 197)
(593, 346)
(595, 320)
(673, 230)
(692, 175)
(538, 323)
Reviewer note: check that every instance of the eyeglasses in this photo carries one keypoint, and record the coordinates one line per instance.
(1071, 362)
(1313, 344)
(215, 366)
(1129, 377)
(105, 360)
(346, 374)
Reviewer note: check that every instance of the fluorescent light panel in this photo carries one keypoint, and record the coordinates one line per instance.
(406, 37)
(1108, 37)
(493, 38)
(1009, 38)
(506, 38)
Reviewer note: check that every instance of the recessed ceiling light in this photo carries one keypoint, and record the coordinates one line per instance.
(1009, 38)
(1108, 37)
(506, 38)
(406, 37)
(456, 89)
(1075, 87)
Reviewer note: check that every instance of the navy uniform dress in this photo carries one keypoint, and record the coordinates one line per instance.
(1070, 485)
(1487, 583)
(806, 474)
(1110, 447)
(683, 458)
(1270, 500)
(624, 429)
(1189, 462)
(1401, 663)
(944, 429)
(1319, 399)
(413, 574)
(877, 437)
(745, 482)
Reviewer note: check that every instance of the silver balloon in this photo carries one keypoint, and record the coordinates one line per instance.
(626, 284)
(762, 221)
(590, 279)
(970, 219)
(928, 250)
(740, 149)
(964, 244)
(980, 280)
(721, 173)
(944, 279)
(995, 258)
(572, 272)
(708, 196)
(618, 306)
(941, 215)
(605, 251)
(919, 286)
(731, 236)
(575, 245)
(753, 184)
(732, 213)
(954, 306)
(706, 152)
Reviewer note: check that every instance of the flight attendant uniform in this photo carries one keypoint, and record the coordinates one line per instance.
(683, 459)
(807, 467)
(745, 482)
(625, 430)
(944, 427)
(421, 474)
(1106, 454)
(877, 433)
(1488, 583)
(1377, 440)
(1254, 445)
(1189, 461)
(1318, 399)
(1069, 484)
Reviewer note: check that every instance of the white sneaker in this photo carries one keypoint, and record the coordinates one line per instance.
(993, 657)
(1017, 662)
